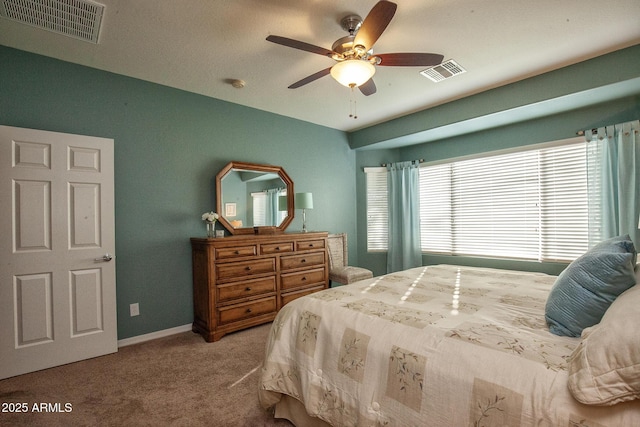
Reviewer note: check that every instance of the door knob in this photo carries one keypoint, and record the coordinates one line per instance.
(106, 258)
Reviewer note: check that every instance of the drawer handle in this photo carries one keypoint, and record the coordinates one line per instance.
(310, 245)
(248, 310)
(248, 268)
(304, 278)
(247, 289)
(236, 252)
(277, 248)
(303, 261)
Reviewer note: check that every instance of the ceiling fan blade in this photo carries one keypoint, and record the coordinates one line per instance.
(409, 59)
(296, 44)
(368, 88)
(310, 78)
(375, 23)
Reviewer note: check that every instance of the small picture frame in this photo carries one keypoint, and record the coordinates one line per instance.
(219, 233)
(229, 209)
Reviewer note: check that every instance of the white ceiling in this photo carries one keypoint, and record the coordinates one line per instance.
(199, 45)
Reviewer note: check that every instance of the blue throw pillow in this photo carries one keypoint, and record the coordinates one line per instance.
(588, 286)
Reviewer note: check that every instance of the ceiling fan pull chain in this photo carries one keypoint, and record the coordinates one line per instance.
(351, 103)
(353, 106)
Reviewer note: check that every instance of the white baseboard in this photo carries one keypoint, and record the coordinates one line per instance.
(153, 335)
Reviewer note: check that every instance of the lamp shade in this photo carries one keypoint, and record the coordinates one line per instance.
(353, 72)
(304, 201)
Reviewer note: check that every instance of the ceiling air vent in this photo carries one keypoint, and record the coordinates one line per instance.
(79, 19)
(440, 72)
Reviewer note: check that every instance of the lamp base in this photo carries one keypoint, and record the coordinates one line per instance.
(304, 221)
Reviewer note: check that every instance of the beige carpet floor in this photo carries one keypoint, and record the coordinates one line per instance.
(178, 380)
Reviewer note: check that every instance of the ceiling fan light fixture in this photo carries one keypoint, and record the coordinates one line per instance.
(352, 72)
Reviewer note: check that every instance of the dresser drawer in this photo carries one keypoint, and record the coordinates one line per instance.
(290, 296)
(298, 261)
(303, 278)
(234, 313)
(276, 248)
(236, 251)
(303, 245)
(246, 288)
(246, 268)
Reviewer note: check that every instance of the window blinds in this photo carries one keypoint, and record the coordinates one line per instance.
(259, 209)
(377, 209)
(525, 205)
(436, 216)
(564, 202)
(495, 206)
(530, 205)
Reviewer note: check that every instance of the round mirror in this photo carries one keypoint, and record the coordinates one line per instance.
(253, 198)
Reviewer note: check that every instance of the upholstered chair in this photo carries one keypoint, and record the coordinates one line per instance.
(339, 269)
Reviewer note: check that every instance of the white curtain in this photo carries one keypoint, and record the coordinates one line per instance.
(614, 181)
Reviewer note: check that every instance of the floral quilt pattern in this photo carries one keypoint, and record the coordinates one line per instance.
(431, 346)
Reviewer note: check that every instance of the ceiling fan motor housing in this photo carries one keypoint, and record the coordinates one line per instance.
(344, 45)
(346, 50)
(351, 23)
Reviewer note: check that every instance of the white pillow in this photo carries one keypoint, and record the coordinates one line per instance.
(605, 368)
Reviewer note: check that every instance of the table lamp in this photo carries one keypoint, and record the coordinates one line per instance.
(304, 201)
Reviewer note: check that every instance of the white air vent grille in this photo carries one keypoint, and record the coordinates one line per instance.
(443, 71)
(74, 18)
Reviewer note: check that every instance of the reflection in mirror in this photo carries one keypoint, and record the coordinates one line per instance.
(251, 195)
(265, 207)
(251, 199)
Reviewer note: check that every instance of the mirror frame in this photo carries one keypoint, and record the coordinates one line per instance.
(257, 168)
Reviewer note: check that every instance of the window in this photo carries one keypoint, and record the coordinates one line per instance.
(265, 208)
(377, 214)
(259, 209)
(529, 205)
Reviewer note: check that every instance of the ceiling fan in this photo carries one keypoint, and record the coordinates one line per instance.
(356, 61)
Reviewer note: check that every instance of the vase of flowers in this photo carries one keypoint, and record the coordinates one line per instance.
(210, 219)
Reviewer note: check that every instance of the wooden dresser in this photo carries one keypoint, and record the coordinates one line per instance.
(243, 280)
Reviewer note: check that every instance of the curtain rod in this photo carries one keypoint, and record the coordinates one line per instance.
(384, 165)
(595, 130)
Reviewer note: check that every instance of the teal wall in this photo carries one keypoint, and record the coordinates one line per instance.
(589, 82)
(169, 145)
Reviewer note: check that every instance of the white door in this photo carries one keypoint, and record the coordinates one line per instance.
(57, 283)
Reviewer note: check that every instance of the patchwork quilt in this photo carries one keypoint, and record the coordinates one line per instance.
(431, 346)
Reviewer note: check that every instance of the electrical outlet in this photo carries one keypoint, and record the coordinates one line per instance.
(134, 309)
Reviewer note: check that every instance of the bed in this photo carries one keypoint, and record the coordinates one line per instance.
(438, 346)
